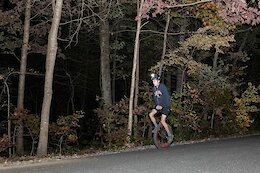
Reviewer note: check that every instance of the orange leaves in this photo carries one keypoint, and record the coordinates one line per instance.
(208, 12)
(208, 6)
(5, 143)
(65, 130)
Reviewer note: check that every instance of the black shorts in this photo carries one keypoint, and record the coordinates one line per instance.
(164, 111)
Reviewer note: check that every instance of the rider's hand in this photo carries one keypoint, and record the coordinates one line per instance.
(158, 107)
(158, 93)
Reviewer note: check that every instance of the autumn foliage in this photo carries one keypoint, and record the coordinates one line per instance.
(213, 100)
(231, 11)
(5, 143)
(238, 11)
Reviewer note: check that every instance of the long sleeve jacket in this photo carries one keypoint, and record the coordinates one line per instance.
(161, 95)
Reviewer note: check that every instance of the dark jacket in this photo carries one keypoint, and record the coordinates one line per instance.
(163, 99)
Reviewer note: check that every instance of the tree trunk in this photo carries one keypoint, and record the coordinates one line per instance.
(164, 42)
(133, 79)
(215, 61)
(50, 63)
(239, 50)
(168, 81)
(104, 36)
(179, 72)
(113, 89)
(136, 93)
(21, 85)
(71, 99)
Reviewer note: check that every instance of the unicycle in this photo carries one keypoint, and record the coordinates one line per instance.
(160, 138)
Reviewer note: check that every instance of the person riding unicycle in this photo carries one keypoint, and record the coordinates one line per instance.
(162, 104)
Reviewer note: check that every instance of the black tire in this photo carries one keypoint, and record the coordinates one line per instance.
(160, 137)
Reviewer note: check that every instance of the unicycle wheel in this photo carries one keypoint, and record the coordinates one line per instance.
(160, 138)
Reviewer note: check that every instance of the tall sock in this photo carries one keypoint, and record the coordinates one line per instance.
(169, 134)
(155, 124)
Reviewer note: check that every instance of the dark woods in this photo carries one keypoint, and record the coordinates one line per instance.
(209, 62)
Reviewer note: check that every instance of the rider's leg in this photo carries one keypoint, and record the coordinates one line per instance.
(165, 125)
(151, 115)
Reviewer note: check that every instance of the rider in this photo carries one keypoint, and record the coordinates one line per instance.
(162, 103)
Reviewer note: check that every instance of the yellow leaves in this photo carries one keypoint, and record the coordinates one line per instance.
(193, 94)
(237, 101)
(246, 104)
(223, 41)
(244, 122)
(199, 41)
(208, 12)
(251, 95)
(248, 101)
(191, 120)
(204, 39)
(209, 37)
(72, 137)
(191, 66)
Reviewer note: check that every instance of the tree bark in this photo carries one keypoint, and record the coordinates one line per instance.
(104, 36)
(215, 61)
(114, 81)
(240, 50)
(136, 92)
(21, 85)
(50, 63)
(133, 79)
(164, 42)
(179, 73)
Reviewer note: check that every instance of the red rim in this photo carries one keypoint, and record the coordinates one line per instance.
(161, 143)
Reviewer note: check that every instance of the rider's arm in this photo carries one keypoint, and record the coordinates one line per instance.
(165, 98)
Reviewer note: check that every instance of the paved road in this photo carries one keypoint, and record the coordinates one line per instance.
(240, 155)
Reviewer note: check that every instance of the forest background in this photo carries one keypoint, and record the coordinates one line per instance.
(87, 66)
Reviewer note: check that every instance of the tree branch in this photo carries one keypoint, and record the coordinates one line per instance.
(191, 4)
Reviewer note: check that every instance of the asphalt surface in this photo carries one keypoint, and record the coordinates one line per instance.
(236, 155)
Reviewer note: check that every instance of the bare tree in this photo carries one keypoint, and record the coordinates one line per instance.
(179, 72)
(134, 68)
(136, 91)
(21, 85)
(50, 63)
(104, 36)
(164, 41)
